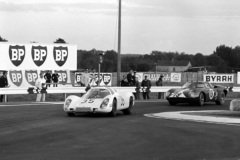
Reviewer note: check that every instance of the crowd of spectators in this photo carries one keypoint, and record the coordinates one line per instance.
(131, 79)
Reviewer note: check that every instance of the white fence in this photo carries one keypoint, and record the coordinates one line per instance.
(65, 90)
(9, 91)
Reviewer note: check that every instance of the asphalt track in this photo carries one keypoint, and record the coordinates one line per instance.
(42, 131)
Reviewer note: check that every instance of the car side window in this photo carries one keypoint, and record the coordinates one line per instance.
(200, 85)
(207, 86)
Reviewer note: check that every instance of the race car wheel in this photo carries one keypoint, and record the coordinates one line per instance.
(200, 100)
(114, 108)
(172, 103)
(128, 110)
(70, 114)
(221, 99)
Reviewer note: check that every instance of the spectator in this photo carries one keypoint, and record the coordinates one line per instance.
(138, 87)
(3, 83)
(146, 84)
(85, 79)
(55, 79)
(40, 84)
(124, 81)
(134, 78)
(159, 82)
(130, 77)
(48, 78)
(205, 70)
(93, 77)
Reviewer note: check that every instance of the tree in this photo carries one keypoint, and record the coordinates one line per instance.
(199, 60)
(109, 61)
(218, 64)
(225, 53)
(59, 40)
(144, 67)
(2, 39)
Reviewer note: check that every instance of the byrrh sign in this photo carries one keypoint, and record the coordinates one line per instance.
(38, 56)
(218, 78)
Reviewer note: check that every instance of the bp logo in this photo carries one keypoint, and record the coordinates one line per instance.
(39, 55)
(98, 80)
(60, 55)
(78, 77)
(31, 76)
(16, 77)
(63, 78)
(16, 54)
(106, 78)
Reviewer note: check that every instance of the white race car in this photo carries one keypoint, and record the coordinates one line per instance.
(100, 100)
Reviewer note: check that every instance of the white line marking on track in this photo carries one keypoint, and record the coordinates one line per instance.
(184, 116)
(31, 104)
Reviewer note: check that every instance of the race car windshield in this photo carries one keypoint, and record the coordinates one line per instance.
(96, 93)
(188, 85)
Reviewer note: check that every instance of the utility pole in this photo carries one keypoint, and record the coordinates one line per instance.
(119, 45)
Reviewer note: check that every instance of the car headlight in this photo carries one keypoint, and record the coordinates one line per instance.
(67, 103)
(191, 94)
(104, 103)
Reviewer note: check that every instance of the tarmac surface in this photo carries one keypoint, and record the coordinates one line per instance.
(43, 131)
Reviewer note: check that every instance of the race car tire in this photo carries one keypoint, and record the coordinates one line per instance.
(70, 114)
(128, 111)
(172, 103)
(200, 100)
(220, 99)
(114, 108)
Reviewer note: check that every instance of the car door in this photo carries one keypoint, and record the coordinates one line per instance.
(120, 101)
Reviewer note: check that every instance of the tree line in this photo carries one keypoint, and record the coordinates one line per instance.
(224, 59)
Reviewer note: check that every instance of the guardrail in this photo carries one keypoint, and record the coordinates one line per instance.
(65, 90)
(9, 91)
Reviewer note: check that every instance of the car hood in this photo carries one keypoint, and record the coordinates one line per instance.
(89, 103)
(179, 92)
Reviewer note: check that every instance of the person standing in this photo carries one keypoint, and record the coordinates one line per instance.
(138, 87)
(85, 79)
(55, 78)
(130, 77)
(146, 84)
(48, 78)
(3, 83)
(134, 78)
(159, 82)
(124, 81)
(40, 84)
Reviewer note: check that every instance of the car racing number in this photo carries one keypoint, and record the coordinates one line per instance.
(211, 93)
(122, 102)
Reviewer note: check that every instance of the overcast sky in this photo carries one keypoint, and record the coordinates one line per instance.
(190, 26)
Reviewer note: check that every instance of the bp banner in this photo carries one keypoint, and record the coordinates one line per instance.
(218, 78)
(38, 56)
(27, 78)
(105, 79)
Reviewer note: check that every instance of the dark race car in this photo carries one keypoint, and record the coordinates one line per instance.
(197, 93)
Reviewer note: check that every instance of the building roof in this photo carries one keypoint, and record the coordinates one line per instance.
(172, 63)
